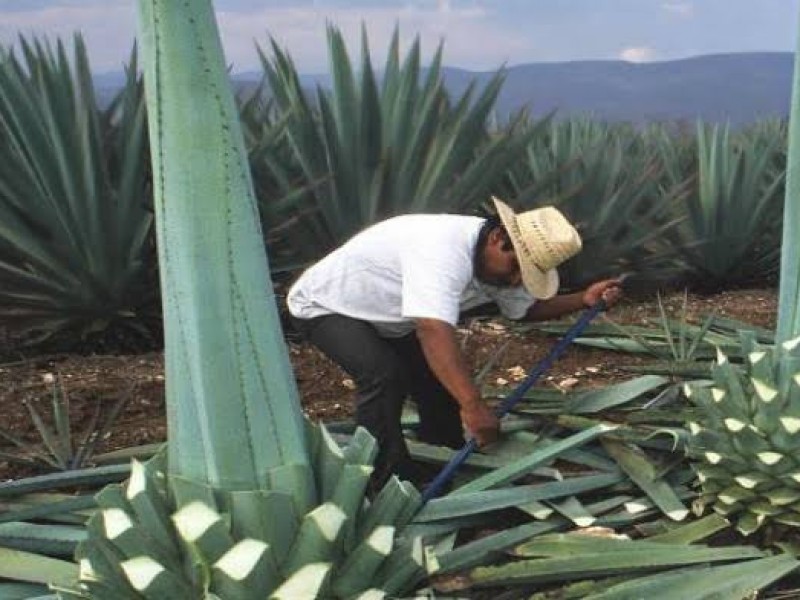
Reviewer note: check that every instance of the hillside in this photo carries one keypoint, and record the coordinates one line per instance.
(738, 88)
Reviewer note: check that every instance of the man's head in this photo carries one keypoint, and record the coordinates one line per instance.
(526, 248)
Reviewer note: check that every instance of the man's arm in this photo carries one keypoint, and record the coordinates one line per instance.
(609, 290)
(438, 341)
(555, 307)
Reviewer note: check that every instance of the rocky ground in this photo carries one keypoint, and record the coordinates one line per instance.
(93, 382)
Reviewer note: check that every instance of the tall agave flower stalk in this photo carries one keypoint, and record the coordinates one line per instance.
(250, 501)
(748, 444)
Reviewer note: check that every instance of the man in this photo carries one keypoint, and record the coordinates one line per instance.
(384, 306)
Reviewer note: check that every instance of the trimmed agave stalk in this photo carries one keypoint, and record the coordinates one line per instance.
(250, 501)
(789, 294)
(747, 445)
(222, 334)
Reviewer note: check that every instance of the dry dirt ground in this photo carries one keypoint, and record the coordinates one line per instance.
(326, 391)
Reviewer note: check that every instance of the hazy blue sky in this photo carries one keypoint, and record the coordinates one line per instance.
(478, 34)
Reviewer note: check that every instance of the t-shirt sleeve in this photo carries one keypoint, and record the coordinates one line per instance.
(434, 276)
(514, 302)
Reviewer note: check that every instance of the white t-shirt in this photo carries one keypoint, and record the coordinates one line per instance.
(407, 267)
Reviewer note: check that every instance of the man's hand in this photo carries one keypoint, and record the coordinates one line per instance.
(481, 423)
(609, 290)
(438, 340)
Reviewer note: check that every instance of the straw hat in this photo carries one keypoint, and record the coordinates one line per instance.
(542, 239)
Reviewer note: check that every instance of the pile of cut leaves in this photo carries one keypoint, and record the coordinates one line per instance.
(588, 494)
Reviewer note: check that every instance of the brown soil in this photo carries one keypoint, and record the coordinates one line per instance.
(326, 391)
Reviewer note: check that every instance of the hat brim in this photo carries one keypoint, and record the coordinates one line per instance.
(540, 284)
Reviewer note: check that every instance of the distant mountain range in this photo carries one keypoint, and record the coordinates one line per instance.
(736, 88)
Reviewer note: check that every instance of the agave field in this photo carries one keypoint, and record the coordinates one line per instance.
(658, 459)
(500, 353)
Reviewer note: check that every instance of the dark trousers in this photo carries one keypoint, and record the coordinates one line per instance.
(386, 371)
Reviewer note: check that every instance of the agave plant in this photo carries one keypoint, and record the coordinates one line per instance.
(731, 233)
(747, 445)
(603, 180)
(61, 448)
(75, 228)
(746, 438)
(370, 148)
(249, 501)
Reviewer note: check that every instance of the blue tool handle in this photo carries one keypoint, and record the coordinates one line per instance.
(543, 365)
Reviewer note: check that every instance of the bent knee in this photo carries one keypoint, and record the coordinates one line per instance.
(383, 377)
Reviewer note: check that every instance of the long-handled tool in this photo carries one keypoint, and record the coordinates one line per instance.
(450, 468)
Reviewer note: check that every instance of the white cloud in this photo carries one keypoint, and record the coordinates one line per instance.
(680, 9)
(638, 54)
